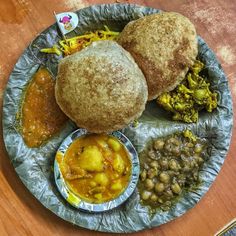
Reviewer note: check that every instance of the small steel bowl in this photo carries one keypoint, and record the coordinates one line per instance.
(74, 199)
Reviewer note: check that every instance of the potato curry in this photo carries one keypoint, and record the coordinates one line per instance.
(96, 167)
(41, 116)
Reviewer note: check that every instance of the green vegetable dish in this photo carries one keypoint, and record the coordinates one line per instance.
(168, 167)
(191, 96)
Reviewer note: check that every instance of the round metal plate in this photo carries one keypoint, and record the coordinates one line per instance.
(34, 165)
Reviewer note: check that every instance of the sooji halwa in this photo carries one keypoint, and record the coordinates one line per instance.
(41, 116)
(169, 166)
(96, 167)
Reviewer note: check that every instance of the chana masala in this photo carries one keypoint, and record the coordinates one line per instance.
(169, 166)
(41, 116)
(96, 167)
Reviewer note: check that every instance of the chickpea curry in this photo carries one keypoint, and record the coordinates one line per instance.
(96, 167)
(169, 166)
(41, 116)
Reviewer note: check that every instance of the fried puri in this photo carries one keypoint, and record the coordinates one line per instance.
(101, 88)
(164, 46)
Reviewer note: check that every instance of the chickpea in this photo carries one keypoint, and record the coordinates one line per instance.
(158, 155)
(176, 151)
(164, 164)
(149, 184)
(154, 164)
(143, 175)
(158, 144)
(152, 173)
(153, 197)
(151, 154)
(168, 147)
(173, 165)
(154, 179)
(164, 178)
(176, 188)
(174, 141)
(146, 166)
(146, 195)
(159, 187)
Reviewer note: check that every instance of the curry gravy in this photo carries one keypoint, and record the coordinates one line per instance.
(41, 116)
(96, 167)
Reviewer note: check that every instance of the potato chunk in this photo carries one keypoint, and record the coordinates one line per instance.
(114, 144)
(118, 164)
(91, 159)
(116, 186)
(98, 196)
(102, 179)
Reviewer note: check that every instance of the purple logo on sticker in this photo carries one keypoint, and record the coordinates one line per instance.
(66, 21)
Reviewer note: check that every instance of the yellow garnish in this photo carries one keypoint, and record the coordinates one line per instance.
(75, 44)
(54, 49)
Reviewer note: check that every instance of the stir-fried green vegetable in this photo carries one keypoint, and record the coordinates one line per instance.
(191, 96)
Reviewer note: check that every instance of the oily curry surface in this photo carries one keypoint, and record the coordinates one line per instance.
(96, 168)
(41, 116)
